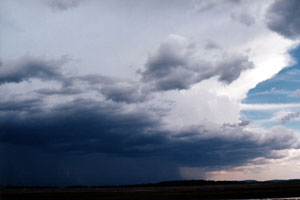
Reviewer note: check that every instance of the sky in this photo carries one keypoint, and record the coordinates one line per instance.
(133, 91)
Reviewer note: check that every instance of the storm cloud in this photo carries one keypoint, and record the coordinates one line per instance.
(283, 17)
(84, 128)
(145, 89)
(108, 131)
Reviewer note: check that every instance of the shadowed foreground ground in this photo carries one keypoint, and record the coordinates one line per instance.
(222, 191)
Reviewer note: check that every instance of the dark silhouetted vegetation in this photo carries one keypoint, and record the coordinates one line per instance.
(187, 189)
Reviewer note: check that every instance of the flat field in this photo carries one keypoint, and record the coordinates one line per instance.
(281, 190)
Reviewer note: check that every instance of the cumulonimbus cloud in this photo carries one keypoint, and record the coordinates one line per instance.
(88, 126)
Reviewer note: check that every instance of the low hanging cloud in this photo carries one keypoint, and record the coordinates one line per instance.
(289, 117)
(283, 17)
(85, 128)
(176, 65)
(92, 126)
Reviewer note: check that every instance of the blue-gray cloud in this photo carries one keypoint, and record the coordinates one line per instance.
(289, 117)
(117, 89)
(129, 92)
(60, 91)
(174, 66)
(283, 17)
(26, 68)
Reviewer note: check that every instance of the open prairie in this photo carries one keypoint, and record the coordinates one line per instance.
(223, 191)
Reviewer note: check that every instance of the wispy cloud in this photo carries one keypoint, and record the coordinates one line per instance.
(289, 117)
(62, 5)
(269, 106)
(295, 93)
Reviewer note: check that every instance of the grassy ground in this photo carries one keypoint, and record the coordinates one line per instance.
(226, 191)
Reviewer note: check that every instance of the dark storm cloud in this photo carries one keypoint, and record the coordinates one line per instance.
(82, 142)
(62, 5)
(25, 165)
(283, 17)
(20, 106)
(174, 66)
(101, 142)
(85, 127)
(28, 67)
(81, 126)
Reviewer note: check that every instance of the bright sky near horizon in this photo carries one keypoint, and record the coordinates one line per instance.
(135, 91)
